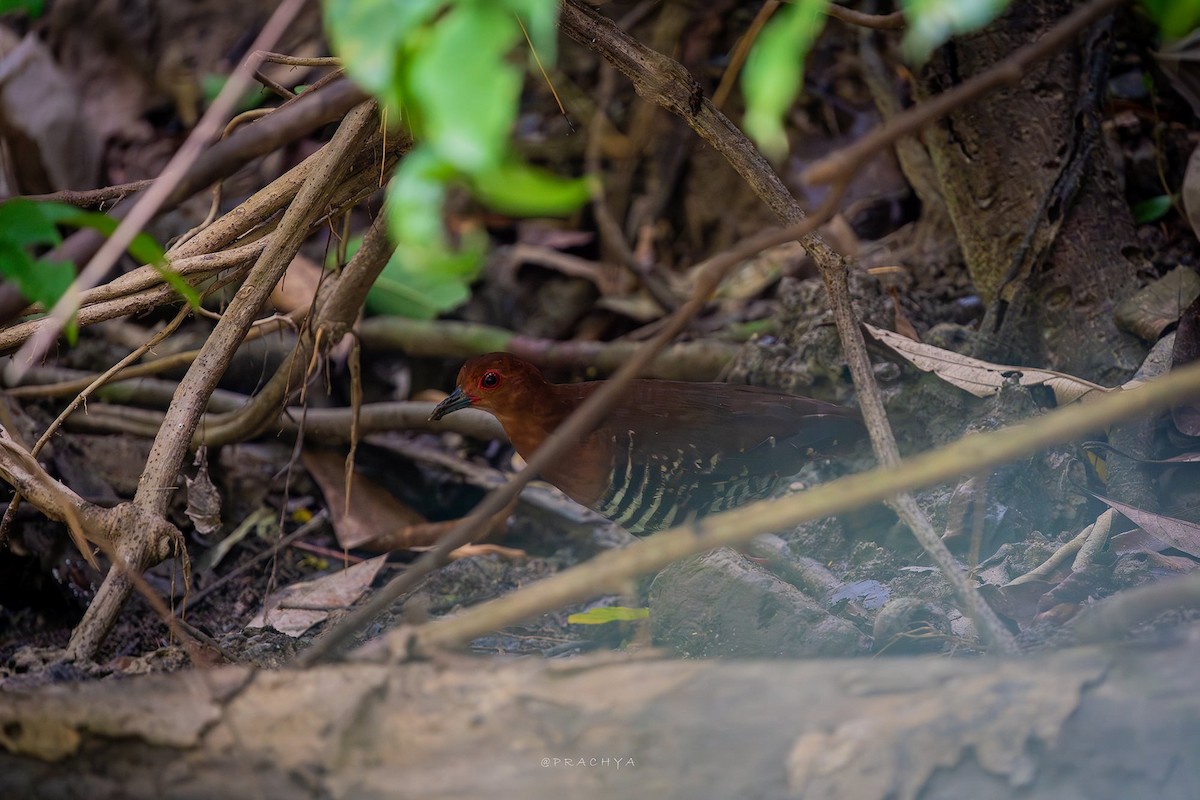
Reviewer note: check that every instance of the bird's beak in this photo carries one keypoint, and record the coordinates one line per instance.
(457, 399)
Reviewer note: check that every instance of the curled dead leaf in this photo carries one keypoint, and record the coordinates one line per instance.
(981, 378)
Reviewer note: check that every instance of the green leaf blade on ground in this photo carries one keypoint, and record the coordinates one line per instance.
(606, 614)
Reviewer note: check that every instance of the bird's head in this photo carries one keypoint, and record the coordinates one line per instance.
(497, 382)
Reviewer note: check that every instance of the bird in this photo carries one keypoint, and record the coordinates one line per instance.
(669, 451)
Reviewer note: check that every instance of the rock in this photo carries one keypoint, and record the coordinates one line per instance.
(720, 604)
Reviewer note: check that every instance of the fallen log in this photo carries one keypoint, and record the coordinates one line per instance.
(1081, 723)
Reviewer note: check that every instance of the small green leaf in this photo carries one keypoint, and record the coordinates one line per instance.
(143, 247)
(25, 222)
(932, 22)
(521, 190)
(212, 83)
(602, 615)
(425, 276)
(1153, 209)
(464, 90)
(774, 72)
(38, 281)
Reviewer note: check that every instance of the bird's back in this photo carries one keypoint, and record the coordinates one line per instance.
(674, 450)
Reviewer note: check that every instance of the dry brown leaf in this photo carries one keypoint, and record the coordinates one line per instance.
(1191, 191)
(51, 146)
(300, 606)
(638, 307)
(1180, 62)
(298, 286)
(376, 520)
(425, 535)
(1171, 531)
(756, 273)
(373, 511)
(981, 378)
(1148, 313)
(470, 550)
(901, 321)
(203, 499)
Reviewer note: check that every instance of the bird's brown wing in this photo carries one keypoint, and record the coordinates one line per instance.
(744, 427)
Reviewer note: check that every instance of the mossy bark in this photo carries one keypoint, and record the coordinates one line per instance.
(1030, 187)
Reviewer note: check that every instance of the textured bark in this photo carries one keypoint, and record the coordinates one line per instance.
(1084, 723)
(1045, 230)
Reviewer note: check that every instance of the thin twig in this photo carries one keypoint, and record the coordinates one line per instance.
(92, 198)
(742, 49)
(879, 22)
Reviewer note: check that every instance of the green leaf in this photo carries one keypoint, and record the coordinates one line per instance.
(600, 616)
(774, 72)
(521, 190)
(540, 18)
(1175, 18)
(415, 198)
(25, 223)
(38, 281)
(370, 35)
(422, 284)
(32, 8)
(464, 90)
(932, 22)
(1153, 209)
(212, 83)
(424, 277)
(143, 247)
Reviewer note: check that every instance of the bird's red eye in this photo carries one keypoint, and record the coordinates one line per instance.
(490, 379)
